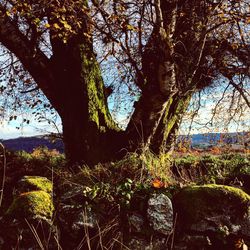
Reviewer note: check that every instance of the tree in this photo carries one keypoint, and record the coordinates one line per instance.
(172, 49)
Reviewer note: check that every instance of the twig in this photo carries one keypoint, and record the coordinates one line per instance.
(4, 173)
(35, 234)
(172, 242)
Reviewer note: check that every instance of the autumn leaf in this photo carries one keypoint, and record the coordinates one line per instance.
(239, 244)
(47, 25)
(66, 25)
(36, 21)
(131, 27)
(8, 13)
(27, 81)
(157, 183)
(56, 26)
(14, 10)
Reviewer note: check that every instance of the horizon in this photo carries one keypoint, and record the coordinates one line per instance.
(201, 133)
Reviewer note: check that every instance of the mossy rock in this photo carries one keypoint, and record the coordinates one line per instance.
(34, 183)
(209, 207)
(32, 205)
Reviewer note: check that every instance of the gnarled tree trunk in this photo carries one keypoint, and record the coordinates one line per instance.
(171, 66)
(85, 116)
(155, 120)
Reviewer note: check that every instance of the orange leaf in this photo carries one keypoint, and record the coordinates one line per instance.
(157, 183)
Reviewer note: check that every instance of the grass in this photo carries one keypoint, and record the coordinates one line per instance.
(120, 185)
(212, 168)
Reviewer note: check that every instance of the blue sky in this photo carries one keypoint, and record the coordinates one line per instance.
(8, 129)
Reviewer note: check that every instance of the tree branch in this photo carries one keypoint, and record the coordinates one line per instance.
(35, 62)
(29, 90)
(241, 92)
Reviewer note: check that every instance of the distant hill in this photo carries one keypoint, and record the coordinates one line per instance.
(214, 138)
(210, 139)
(29, 143)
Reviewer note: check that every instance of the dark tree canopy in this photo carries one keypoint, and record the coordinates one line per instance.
(164, 52)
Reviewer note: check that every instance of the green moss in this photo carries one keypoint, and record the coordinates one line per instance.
(217, 191)
(32, 205)
(196, 202)
(174, 111)
(35, 183)
(97, 104)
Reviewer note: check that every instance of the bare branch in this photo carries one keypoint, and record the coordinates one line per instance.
(241, 92)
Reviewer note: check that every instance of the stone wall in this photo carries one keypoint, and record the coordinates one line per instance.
(193, 217)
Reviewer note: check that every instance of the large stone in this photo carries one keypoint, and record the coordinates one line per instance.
(74, 219)
(29, 217)
(193, 242)
(136, 222)
(32, 205)
(33, 199)
(217, 210)
(160, 213)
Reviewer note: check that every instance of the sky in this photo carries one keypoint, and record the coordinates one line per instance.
(8, 129)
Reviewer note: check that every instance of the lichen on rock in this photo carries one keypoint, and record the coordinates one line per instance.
(160, 213)
(136, 222)
(142, 244)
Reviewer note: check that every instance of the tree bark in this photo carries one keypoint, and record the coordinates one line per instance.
(167, 131)
(84, 112)
(158, 124)
(155, 121)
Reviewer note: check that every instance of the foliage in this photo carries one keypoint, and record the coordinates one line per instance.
(120, 181)
(63, 17)
(115, 190)
(117, 182)
(214, 168)
(40, 158)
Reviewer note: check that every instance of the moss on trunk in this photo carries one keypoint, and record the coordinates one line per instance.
(86, 127)
(93, 85)
(86, 120)
(166, 133)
